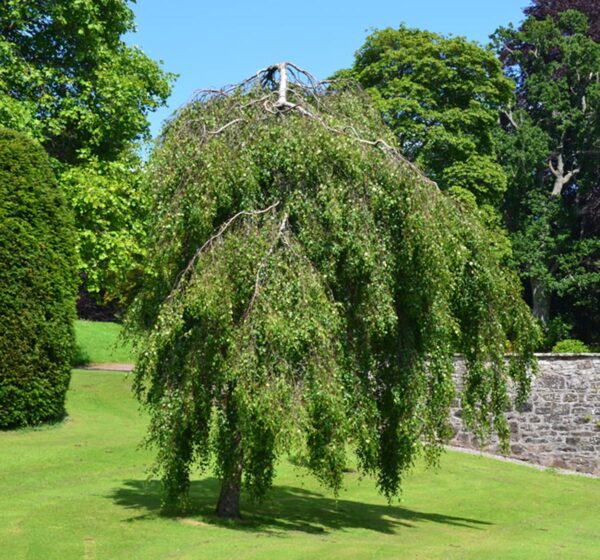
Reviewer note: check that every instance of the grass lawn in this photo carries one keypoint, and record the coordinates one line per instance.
(99, 343)
(78, 490)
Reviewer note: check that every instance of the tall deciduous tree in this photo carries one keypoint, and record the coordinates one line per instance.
(551, 151)
(67, 74)
(307, 287)
(441, 96)
(68, 79)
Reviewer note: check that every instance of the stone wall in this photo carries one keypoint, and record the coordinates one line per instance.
(560, 424)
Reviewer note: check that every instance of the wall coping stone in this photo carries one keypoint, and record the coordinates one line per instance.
(555, 356)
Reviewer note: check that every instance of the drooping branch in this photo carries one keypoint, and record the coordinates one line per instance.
(211, 240)
(347, 224)
(224, 127)
(277, 78)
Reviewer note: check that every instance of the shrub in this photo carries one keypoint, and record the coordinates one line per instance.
(570, 346)
(37, 286)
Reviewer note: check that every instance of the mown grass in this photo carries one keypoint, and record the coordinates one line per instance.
(78, 490)
(99, 343)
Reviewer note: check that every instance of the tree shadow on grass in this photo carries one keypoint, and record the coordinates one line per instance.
(287, 508)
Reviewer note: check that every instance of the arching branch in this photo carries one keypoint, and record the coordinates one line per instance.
(277, 77)
(211, 240)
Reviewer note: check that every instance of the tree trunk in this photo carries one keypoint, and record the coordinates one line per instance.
(541, 301)
(229, 498)
(231, 482)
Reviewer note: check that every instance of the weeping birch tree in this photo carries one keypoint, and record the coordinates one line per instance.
(306, 290)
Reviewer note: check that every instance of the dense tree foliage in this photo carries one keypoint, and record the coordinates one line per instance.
(541, 9)
(67, 75)
(37, 286)
(110, 208)
(68, 79)
(551, 151)
(441, 96)
(307, 287)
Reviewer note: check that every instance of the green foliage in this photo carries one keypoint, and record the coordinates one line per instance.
(68, 79)
(441, 97)
(110, 206)
(570, 346)
(557, 329)
(37, 286)
(541, 9)
(550, 151)
(305, 287)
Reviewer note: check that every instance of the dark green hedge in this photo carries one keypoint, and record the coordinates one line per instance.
(37, 286)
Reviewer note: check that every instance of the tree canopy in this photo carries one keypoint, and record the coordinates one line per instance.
(307, 287)
(542, 9)
(110, 205)
(441, 96)
(68, 77)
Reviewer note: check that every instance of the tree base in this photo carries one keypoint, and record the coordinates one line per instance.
(228, 505)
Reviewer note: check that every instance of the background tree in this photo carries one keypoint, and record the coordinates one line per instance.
(68, 79)
(307, 287)
(110, 206)
(542, 9)
(441, 96)
(37, 286)
(551, 154)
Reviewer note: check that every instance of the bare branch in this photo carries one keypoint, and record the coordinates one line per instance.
(313, 87)
(559, 173)
(571, 174)
(208, 244)
(225, 126)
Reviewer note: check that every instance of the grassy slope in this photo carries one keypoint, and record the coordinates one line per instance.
(99, 343)
(78, 490)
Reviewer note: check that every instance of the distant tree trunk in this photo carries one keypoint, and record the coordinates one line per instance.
(560, 177)
(541, 301)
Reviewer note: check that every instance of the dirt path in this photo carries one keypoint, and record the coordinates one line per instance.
(109, 367)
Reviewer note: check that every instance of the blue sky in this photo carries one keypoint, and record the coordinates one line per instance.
(211, 44)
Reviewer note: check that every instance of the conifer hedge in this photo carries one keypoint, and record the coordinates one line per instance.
(37, 286)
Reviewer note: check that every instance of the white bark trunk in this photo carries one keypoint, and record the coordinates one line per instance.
(283, 84)
(560, 178)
